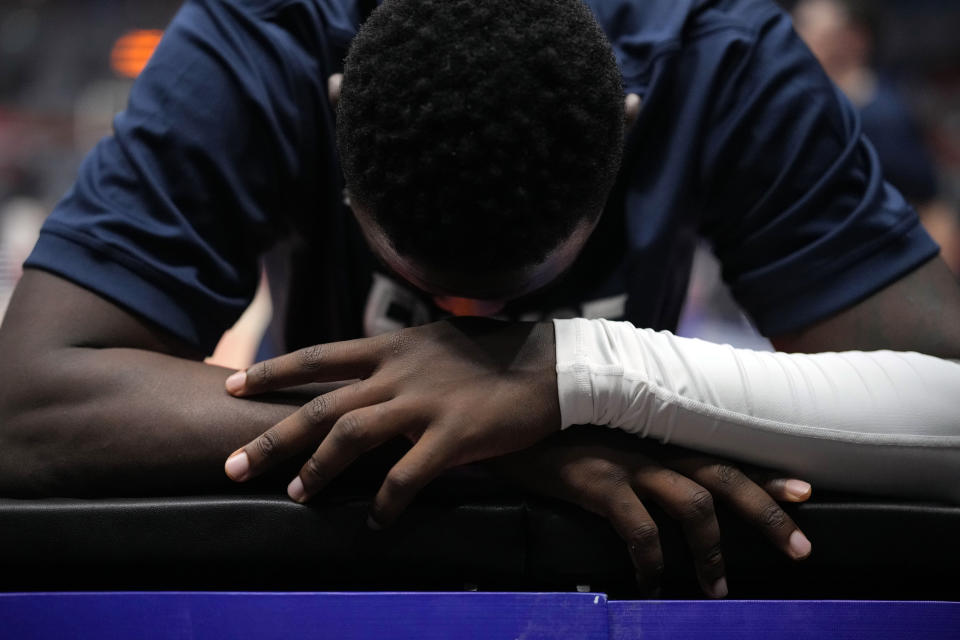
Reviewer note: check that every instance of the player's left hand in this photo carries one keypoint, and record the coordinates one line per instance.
(614, 474)
(461, 390)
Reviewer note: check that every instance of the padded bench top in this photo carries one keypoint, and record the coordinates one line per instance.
(458, 535)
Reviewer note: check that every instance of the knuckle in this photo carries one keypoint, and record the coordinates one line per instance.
(645, 552)
(727, 476)
(773, 517)
(261, 373)
(268, 444)
(360, 387)
(645, 536)
(399, 482)
(350, 429)
(607, 474)
(314, 470)
(311, 357)
(699, 505)
(399, 341)
(318, 409)
(713, 558)
(596, 486)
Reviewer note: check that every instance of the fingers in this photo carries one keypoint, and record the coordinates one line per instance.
(600, 484)
(319, 363)
(300, 431)
(773, 482)
(634, 525)
(692, 506)
(415, 470)
(748, 500)
(353, 434)
(785, 489)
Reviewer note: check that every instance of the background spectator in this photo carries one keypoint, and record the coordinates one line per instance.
(843, 34)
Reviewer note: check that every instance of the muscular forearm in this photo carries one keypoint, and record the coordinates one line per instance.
(79, 421)
(882, 422)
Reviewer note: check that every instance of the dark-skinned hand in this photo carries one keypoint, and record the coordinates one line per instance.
(461, 390)
(612, 474)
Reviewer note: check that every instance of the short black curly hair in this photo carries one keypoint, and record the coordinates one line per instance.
(479, 133)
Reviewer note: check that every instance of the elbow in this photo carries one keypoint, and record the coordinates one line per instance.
(26, 469)
(20, 475)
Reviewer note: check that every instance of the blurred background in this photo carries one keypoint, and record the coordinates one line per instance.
(66, 67)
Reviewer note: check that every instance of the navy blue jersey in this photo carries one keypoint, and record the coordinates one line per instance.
(225, 159)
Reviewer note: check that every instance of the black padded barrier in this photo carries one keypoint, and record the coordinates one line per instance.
(463, 533)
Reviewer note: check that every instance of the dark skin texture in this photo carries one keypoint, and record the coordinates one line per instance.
(96, 401)
(920, 312)
(437, 368)
(613, 474)
(472, 389)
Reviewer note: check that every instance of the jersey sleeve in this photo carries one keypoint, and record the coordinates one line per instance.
(796, 205)
(225, 139)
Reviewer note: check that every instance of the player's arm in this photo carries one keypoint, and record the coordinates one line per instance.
(881, 422)
(94, 400)
(160, 237)
(919, 312)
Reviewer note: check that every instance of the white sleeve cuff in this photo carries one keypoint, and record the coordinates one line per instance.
(573, 374)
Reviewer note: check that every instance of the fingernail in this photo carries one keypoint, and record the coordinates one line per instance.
(295, 490)
(798, 489)
(236, 381)
(719, 588)
(237, 465)
(800, 547)
(373, 524)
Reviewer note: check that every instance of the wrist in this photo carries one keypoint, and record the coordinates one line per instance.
(542, 343)
(574, 381)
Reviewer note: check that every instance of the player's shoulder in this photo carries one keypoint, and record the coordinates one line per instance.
(643, 32)
(312, 23)
(673, 18)
(340, 19)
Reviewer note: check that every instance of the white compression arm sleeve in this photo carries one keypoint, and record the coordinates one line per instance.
(880, 422)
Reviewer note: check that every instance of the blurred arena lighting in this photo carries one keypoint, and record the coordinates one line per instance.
(18, 30)
(20, 221)
(133, 50)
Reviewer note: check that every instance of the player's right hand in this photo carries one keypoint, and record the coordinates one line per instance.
(462, 390)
